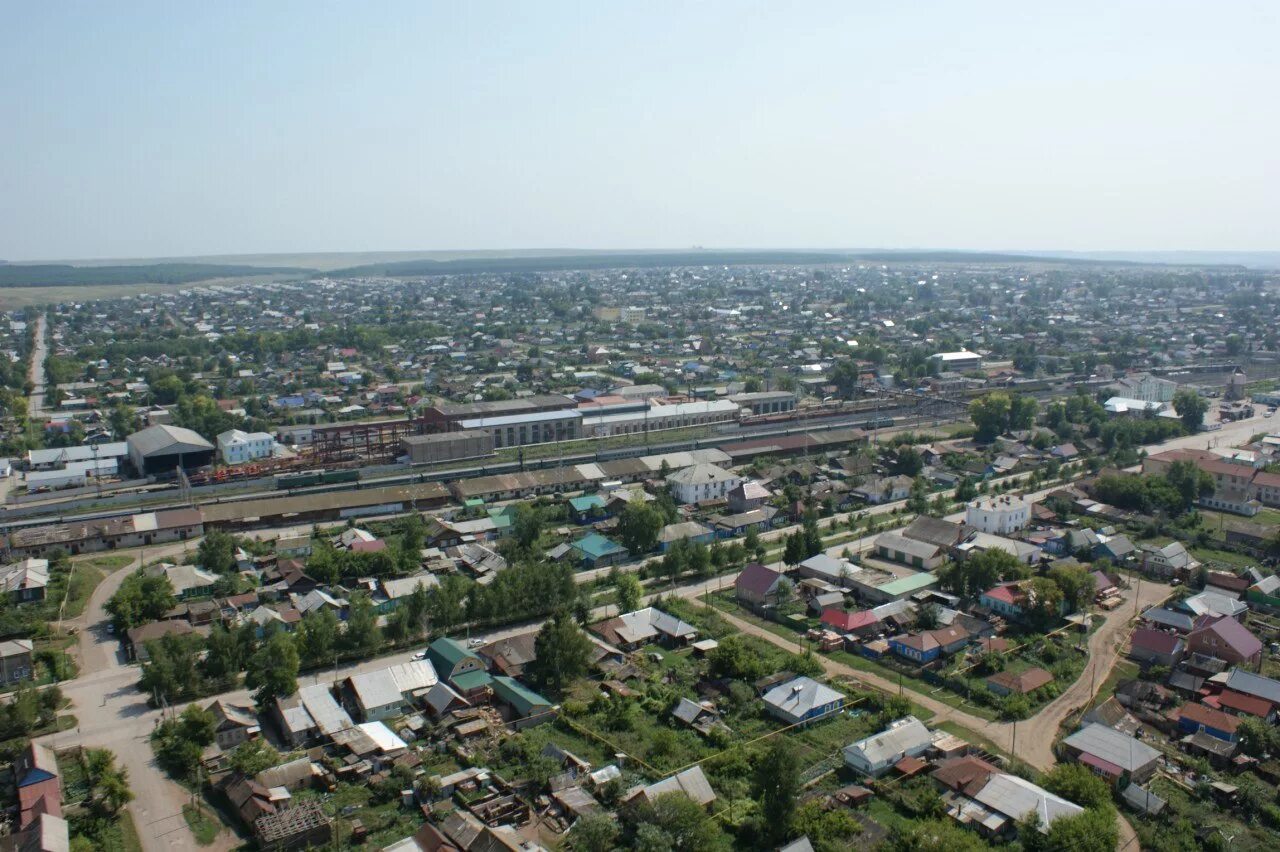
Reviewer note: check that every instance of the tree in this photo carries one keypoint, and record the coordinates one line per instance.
(990, 416)
(527, 525)
(1191, 408)
(225, 654)
(933, 836)
(108, 784)
(1189, 481)
(777, 785)
(1076, 584)
(676, 822)
(217, 552)
(179, 742)
(638, 527)
(596, 832)
(918, 499)
(253, 756)
(361, 635)
(140, 600)
(273, 670)
(927, 616)
(630, 592)
(173, 669)
(966, 490)
(906, 461)
(317, 636)
(754, 547)
(1044, 601)
(1257, 738)
(1092, 831)
(1077, 783)
(562, 654)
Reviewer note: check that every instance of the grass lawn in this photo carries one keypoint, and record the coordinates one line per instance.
(1122, 671)
(204, 825)
(1223, 557)
(118, 835)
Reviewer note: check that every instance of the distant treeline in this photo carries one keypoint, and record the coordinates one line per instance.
(648, 260)
(56, 275)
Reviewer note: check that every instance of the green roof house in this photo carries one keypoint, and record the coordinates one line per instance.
(598, 551)
(461, 668)
(528, 708)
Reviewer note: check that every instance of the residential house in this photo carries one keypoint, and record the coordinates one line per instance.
(632, 630)
(233, 725)
(701, 482)
(25, 581)
(35, 773)
(757, 586)
(1156, 647)
(691, 531)
(998, 515)
(889, 489)
(525, 708)
(188, 581)
(1265, 594)
(391, 691)
(908, 551)
(1111, 754)
(802, 700)
(691, 782)
(1170, 560)
(928, 645)
(596, 551)
(1225, 639)
(16, 660)
(1193, 718)
(462, 669)
(1021, 683)
(874, 755)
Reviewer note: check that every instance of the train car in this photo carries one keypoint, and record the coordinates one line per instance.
(331, 476)
(300, 479)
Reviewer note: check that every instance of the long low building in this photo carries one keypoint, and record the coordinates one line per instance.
(326, 505)
(535, 427)
(657, 417)
(60, 457)
(89, 536)
(528, 483)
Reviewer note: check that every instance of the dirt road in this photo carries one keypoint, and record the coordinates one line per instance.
(35, 402)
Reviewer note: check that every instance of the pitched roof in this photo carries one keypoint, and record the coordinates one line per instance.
(1251, 684)
(842, 619)
(800, 696)
(1016, 797)
(1208, 717)
(1155, 641)
(1234, 634)
(1112, 746)
(757, 579)
(1022, 683)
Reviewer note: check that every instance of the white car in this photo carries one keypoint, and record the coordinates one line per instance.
(419, 655)
(475, 643)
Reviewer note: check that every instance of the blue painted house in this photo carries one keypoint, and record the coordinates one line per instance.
(803, 700)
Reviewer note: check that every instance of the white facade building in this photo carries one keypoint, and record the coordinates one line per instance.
(998, 515)
(237, 447)
(702, 482)
(959, 362)
(1144, 387)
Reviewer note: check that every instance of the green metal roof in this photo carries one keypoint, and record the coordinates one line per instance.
(519, 696)
(906, 585)
(596, 546)
(445, 654)
(587, 502)
(468, 681)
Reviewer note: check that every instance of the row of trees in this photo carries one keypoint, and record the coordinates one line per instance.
(1175, 492)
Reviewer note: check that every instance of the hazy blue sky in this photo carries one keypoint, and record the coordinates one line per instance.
(141, 129)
